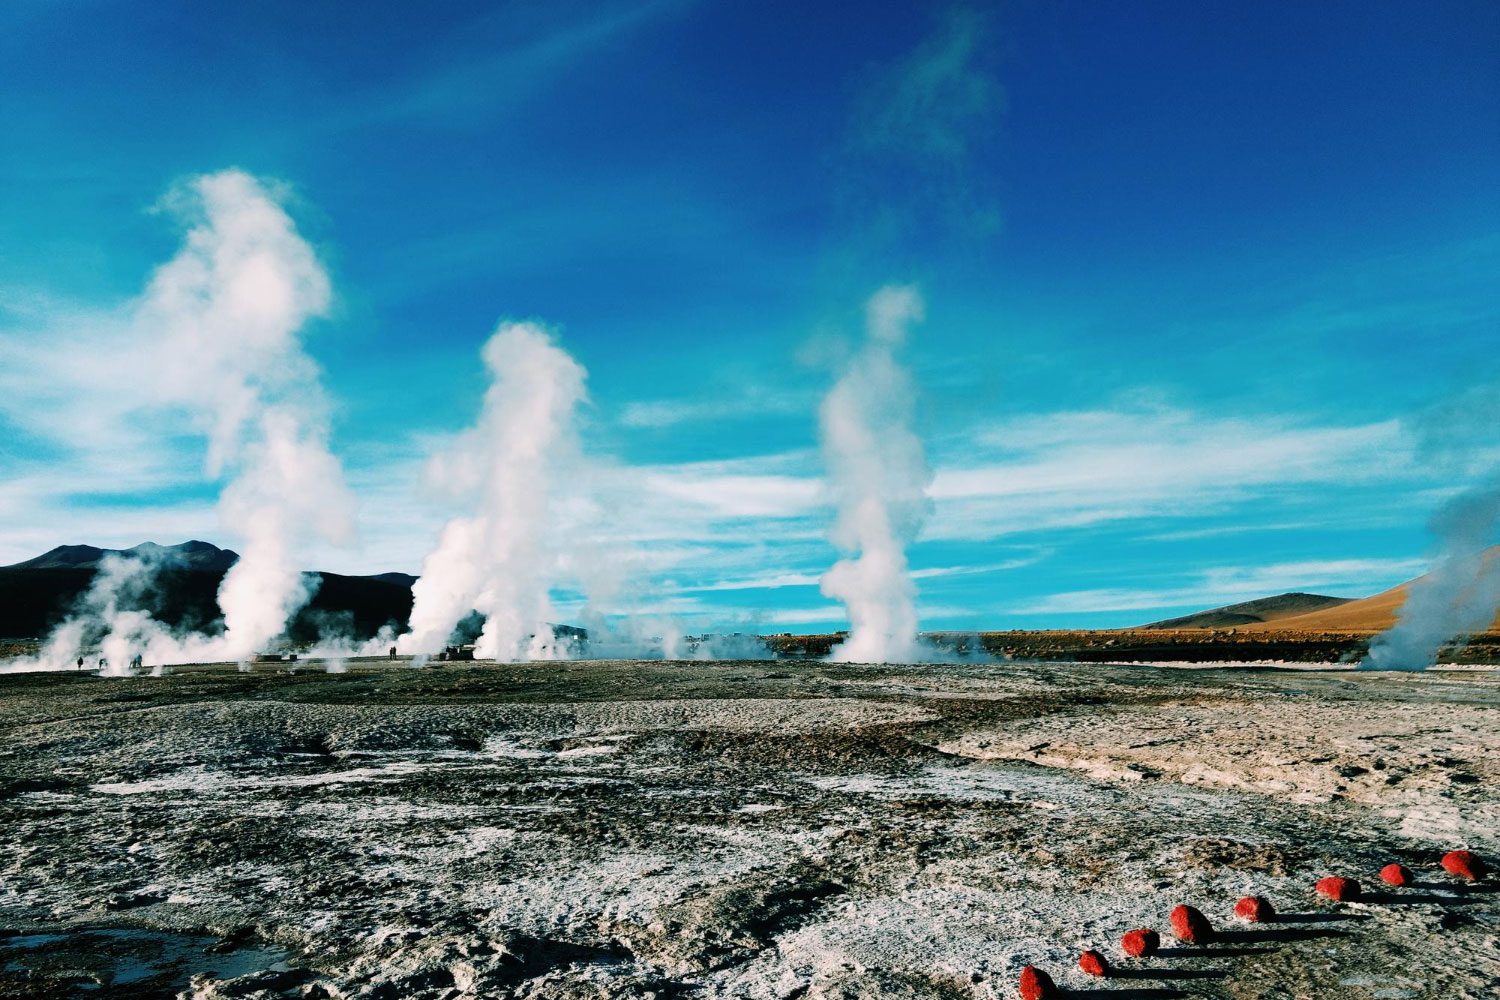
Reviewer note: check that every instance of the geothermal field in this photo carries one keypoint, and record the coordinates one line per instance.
(753, 829)
(655, 499)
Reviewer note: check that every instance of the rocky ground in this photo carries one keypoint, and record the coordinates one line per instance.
(755, 830)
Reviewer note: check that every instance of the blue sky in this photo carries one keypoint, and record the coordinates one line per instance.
(1203, 280)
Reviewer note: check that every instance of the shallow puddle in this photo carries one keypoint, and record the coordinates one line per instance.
(127, 962)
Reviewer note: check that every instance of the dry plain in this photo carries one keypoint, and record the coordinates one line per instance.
(738, 829)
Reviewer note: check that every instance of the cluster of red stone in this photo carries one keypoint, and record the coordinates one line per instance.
(1460, 864)
(1190, 926)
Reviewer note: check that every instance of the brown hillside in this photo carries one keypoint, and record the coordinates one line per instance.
(1368, 614)
(1264, 610)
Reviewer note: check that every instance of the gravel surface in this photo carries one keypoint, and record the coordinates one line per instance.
(739, 829)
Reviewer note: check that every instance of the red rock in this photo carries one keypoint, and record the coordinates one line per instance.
(1140, 943)
(1338, 889)
(1465, 864)
(1190, 926)
(1397, 875)
(1037, 985)
(1256, 909)
(1093, 963)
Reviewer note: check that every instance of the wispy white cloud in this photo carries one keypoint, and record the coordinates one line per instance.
(763, 487)
(778, 581)
(918, 127)
(1225, 530)
(750, 401)
(934, 102)
(1079, 468)
(506, 58)
(80, 455)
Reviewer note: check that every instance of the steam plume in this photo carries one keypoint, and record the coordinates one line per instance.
(230, 309)
(100, 620)
(879, 477)
(1459, 595)
(497, 561)
(218, 330)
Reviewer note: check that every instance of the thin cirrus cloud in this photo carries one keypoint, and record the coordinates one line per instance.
(504, 60)
(934, 102)
(79, 457)
(745, 402)
(778, 581)
(1079, 468)
(724, 491)
(1065, 469)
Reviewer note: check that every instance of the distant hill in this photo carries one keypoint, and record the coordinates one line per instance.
(1261, 611)
(188, 555)
(37, 594)
(1368, 614)
(1310, 612)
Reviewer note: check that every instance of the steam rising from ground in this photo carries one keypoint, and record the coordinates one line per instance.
(1459, 595)
(221, 324)
(497, 561)
(101, 620)
(878, 477)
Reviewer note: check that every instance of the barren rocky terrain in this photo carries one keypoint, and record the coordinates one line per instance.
(755, 830)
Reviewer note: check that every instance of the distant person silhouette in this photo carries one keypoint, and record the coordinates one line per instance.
(80, 663)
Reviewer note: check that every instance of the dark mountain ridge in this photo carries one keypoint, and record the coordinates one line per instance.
(186, 555)
(37, 594)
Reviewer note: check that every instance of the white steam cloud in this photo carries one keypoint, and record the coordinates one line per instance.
(497, 561)
(878, 476)
(220, 325)
(101, 619)
(1460, 593)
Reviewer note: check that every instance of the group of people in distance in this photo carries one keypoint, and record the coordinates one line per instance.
(135, 662)
(1191, 927)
